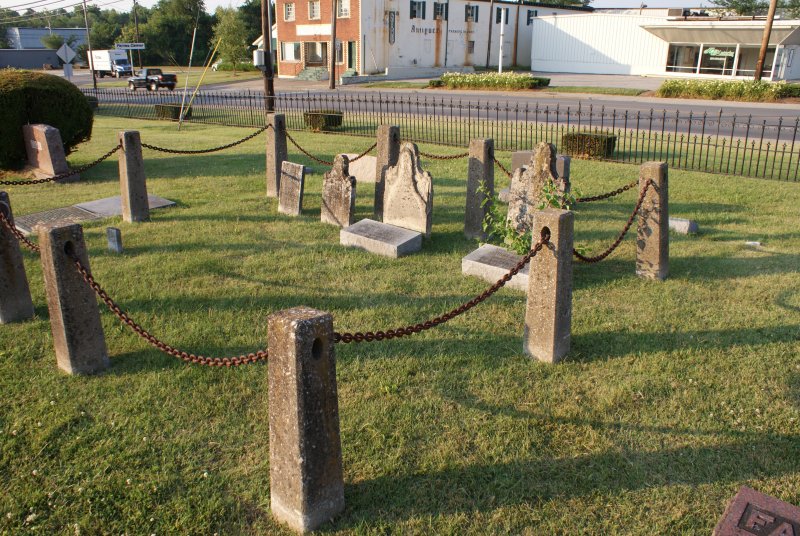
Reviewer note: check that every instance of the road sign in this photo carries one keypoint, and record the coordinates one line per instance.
(65, 53)
(129, 46)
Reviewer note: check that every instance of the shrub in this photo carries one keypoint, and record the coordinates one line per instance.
(321, 120)
(240, 67)
(493, 81)
(436, 83)
(172, 111)
(791, 90)
(588, 144)
(29, 97)
(740, 90)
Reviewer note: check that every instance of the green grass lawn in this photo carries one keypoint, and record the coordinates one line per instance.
(211, 77)
(673, 396)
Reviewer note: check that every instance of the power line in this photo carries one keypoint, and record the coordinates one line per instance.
(52, 14)
(32, 5)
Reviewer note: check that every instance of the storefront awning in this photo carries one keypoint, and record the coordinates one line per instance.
(724, 33)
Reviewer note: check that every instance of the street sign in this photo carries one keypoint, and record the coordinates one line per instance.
(65, 53)
(129, 46)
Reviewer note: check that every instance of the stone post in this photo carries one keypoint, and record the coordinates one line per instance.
(388, 153)
(562, 168)
(548, 314)
(652, 238)
(15, 294)
(132, 182)
(277, 152)
(481, 170)
(305, 450)
(78, 337)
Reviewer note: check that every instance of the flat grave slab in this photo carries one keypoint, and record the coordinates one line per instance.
(491, 263)
(381, 238)
(683, 226)
(112, 206)
(363, 169)
(65, 215)
(751, 512)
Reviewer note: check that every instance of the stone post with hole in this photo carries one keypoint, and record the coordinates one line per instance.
(78, 337)
(305, 449)
(15, 294)
(548, 314)
(480, 170)
(132, 182)
(388, 153)
(277, 152)
(652, 237)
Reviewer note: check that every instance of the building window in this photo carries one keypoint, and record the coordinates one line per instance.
(470, 47)
(440, 10)
(470, 13)
(343, 9)
(717, 59)
(339, 52)
(313, 9)
(748, 57)
(682, 58)
(290, 51)
(417, 9)
(288, 11)
(532, 14)
(498, 14)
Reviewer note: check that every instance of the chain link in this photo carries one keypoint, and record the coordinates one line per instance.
(205, 151)
(365, 153)
(64, 175)
(370, 336)
(17, 233)
(444, 157)
(607, 195)
(311, 156)
(625, 229)
(502, 167)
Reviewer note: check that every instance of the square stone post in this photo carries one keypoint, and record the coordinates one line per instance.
(652, 237)
(305, 450)
(15, 294)
(277, 152)
(388, 153)
(132, 182)
(548, 314)
(78, 337)
(563, 164)
(481, 170)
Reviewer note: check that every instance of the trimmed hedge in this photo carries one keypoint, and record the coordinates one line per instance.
(588, 144)
(240, 67)
(94, 104)
(172, 111)
(493, 81)
(737, 90)
(29, 97)
(321, 120)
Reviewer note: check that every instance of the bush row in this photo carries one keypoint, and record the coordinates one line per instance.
(172, 111)
(588, 145)
(239, 67)
(321, 120)
(490, 81)
(741, 90)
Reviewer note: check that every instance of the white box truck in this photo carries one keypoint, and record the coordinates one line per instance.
(110, 62)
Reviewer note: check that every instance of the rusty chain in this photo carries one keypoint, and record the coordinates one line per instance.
(370, 336)
(444, 157)
(64, 175)
(17, 233)
(502, 167)
(607, 195)
(365, 153)
(625, 229)
(311, 156)
(210, 150)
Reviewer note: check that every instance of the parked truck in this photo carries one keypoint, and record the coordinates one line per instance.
(110, 62)
(152, 79)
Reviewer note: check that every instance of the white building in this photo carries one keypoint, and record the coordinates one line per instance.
(31, 38)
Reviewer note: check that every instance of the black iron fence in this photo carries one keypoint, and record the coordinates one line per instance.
(735, 145)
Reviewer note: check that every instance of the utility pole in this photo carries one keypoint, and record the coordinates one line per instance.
(762, 55)
(266, 34)
(138, 39)
(89, 46)
(332, 75)
(502, 35)
(491, 25)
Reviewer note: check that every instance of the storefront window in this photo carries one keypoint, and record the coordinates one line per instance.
(717, 59)
(748, 57)
(682, 58)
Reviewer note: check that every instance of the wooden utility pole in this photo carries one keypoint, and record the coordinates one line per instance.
(332, 75)
(266, 34)
(89, 46)
(762, 55)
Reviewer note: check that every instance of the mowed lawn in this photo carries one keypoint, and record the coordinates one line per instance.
(674, 394)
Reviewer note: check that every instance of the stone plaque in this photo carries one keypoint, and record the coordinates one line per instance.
(527, 185)
(363, 169)
(45, 151)
(338, 194)
(408, 196)
(751, 512)
(491, 263)
(381, 238)
(290, 194)
(114, 237)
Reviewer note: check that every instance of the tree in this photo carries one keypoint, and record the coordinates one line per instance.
(230, 32)
(250, 13)
(52, 41)
(747, 8)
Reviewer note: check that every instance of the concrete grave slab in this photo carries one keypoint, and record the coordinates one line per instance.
(381, 238)
(683, 226)
(112, 206)
(751, 512)
(491, 263)
(27, 223)
(363, 169)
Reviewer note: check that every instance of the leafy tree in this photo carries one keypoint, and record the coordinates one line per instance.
(230, 31)
(250, 13)
(744, 7)
(52, 41)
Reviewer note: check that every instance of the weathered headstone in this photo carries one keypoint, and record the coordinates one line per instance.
(520, 159)
(548, 313)
(562, 170)
(363, 169)
(305, 449)
(338, 194)
(277, 152)
(290, 198)
(652, 237)
(132, 182)
(684, 226)
(491, 263)
(78, 338)
(480, 171)
(114, 237)
(15, 294)
(751, 512)
(408, 199)
(528, 184)
(45, 152)
(381, 238)
(388, 153)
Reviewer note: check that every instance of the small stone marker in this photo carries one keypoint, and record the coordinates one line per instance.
(408, 199)
(338, 194)
(520, 159)
(752, 244)
(652, 237)
(381, 238)
(527, 186)
(683, 226)
(751, 512)
(363, 169)
(480, 171)
(290, 198)
(45, 152)
(78, 338)
(276, 152)
(114, 237)
(305, 448)
(548, 313)
(388, 153)
(15, 294)
(132, 182)
(490, 263)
